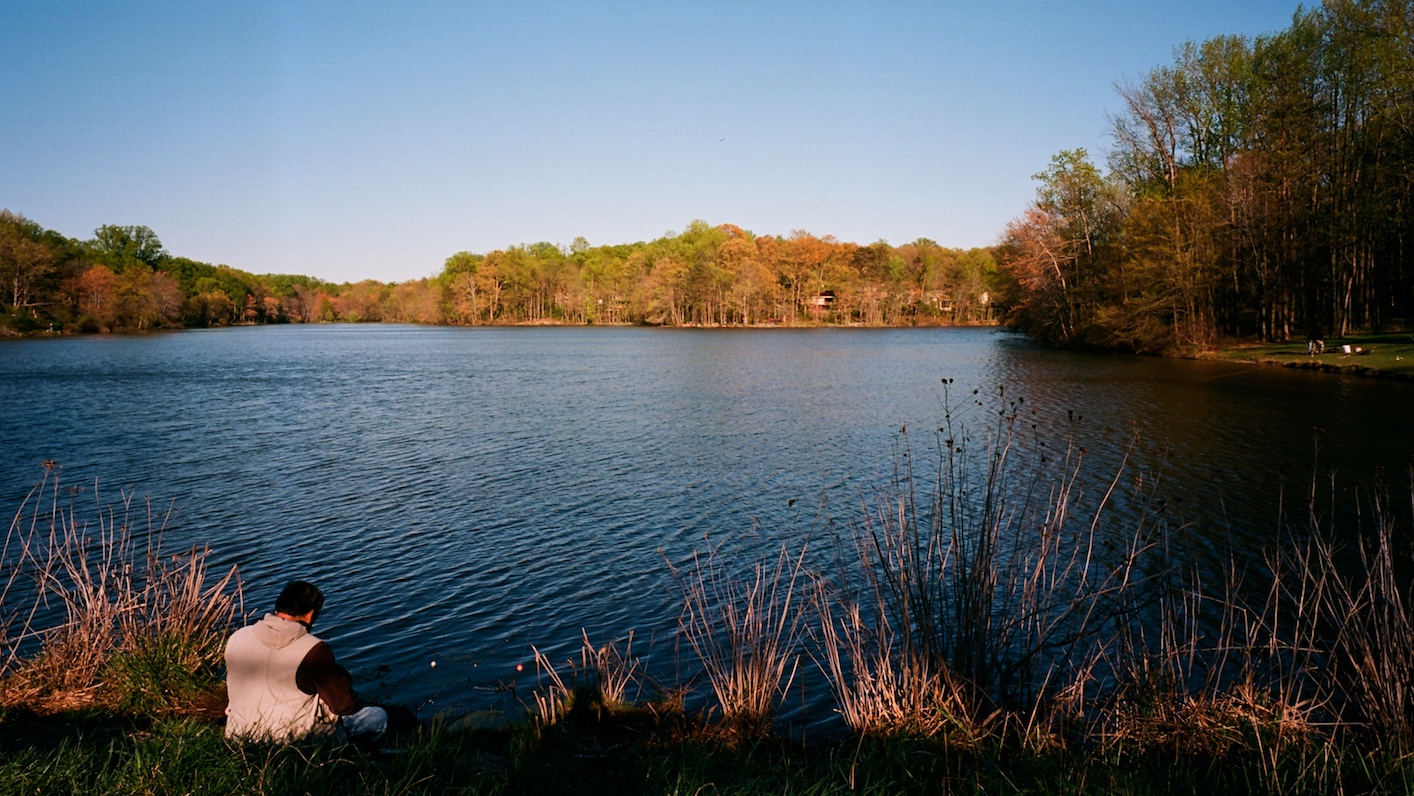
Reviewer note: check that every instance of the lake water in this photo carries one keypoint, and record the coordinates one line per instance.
(463, 494)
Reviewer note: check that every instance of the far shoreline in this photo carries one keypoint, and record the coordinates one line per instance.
(1385, 355)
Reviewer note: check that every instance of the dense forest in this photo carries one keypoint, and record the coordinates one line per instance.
(122, 279)
(1257, 188)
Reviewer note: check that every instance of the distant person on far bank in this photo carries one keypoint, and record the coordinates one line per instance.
(283, 683)
(1315, 340)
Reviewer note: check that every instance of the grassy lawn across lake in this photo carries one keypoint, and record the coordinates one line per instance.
(1389, 354)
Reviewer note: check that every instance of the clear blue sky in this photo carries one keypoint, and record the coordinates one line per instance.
(351, 140)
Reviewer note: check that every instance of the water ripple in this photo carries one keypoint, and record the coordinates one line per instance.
(463, 494)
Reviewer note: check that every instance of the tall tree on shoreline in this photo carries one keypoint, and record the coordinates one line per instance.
(1266, 189)
(29, 263)
(1059, 249)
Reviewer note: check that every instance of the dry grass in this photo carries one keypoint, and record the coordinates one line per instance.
(1373, 610)
(553, 699)
(879, 692)
(1219, 675)
(1213, 724)
(1326, 656)
(601, 681)
(96, 612)
(985, 609)
(614, 671)
(990, 612)
(745, 629)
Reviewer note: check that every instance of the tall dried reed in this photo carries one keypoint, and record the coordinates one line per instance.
(1216, 670)
(600, 681)
(880, 691)
(94, 610)
(1370, 607)
(1324, 648)
(986, 604)
(994, 606)
(745, 629)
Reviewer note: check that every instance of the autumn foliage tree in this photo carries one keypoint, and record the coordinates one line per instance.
(705, 275)
(120, 279)
(1060, 250)
(721, 276)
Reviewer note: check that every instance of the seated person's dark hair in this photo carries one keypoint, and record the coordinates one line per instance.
(299, 598)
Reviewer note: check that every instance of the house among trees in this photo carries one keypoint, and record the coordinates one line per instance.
(939, 300)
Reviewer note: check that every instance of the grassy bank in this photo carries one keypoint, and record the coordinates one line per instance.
(1004, 622)
(176, 756)
(1383, 355)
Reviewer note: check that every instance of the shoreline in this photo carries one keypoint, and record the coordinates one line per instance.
(1387, 355)
(6, 334)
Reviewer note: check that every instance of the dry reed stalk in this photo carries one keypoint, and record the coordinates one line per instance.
(1373, 610)
(59, 560)
(990, 604)
(1225, 672)
(746, 631)
(30, 556)
(600, 681)
(1221, 675)
(881, 693)
(105, 597)
(1239, 718)
(613, 671)
(176, 602)
(553, 701)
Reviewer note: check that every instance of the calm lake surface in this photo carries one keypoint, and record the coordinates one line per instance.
(463, 494)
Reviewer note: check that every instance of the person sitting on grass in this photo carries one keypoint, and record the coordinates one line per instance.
(283, 684)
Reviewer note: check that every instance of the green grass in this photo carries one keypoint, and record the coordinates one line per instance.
(182, 756)
(157, 674)
(1391, 353)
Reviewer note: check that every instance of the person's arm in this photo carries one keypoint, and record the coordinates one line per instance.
(320, 674)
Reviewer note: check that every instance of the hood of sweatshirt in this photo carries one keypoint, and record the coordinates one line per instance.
(276, 632)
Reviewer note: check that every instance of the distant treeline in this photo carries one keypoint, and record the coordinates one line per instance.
(1258, 188)
(122, 279)
(726, 276)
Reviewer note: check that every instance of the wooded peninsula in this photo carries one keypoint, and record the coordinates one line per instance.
(1258, 188)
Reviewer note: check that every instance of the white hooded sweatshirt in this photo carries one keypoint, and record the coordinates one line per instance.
(264, 704)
